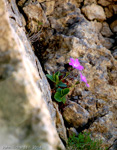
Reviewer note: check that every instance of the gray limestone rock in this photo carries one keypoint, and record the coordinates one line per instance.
(60, 126)
(75, 115)
(24, 115)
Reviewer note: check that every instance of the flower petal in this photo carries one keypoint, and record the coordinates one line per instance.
(80, 67)
(72, 60)
(70, 63)
(77, 61)
(83, 78)
(87, 85)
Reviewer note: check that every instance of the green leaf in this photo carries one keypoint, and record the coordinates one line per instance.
(61, 84)
(54, 76)
(65, 91)
(77, 82)
(50, 77)
(56, 79)
(57, 73)
(40, 23)
(57, 97)
(59, 90)
(64, 99)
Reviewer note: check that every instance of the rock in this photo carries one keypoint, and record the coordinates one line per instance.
(95, 107)
(97, 26)
(24, 114)
(106, 30)
(87, 2)
(75, 115)
(81, 41)
(70, 34)
(114, 145)
(108, 12)
(113, 26)
(64, 16)
(21, 2)
(115, 54)
(94, 11)
(104, 2)
(40, 1)
(36, 17)
(72, 131)
(106, 42)
(49, 5)
(77, 3)
(29, 53)
(114, 7)
(111, 10)
(60, 124)
(101, 130)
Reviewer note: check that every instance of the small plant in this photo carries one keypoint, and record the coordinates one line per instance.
(40, 23)
(61, 87)
(60, 95)
(83, 142)
(55, 78)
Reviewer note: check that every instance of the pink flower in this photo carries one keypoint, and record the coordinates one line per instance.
(83, 78)
(75, 64)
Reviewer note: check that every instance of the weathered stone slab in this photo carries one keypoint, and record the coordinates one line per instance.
(24, 116)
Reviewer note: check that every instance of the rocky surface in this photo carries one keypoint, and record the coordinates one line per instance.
(24, 116)
(75, 115)
(115, 54)
(113, 26)
(18, 23)
(94, 11)
(70, 34)
(72, 131)
(60, 124)
(85, 30)
(106, 31)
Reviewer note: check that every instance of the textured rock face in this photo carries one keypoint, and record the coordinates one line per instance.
(19, 28)
(63, 29)
(60, 124)
(75, 115)
(106, 30)
(70, 34)
(24, 116)
(114, 26)
(94, 12)
(104, 2)
(36, 15)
